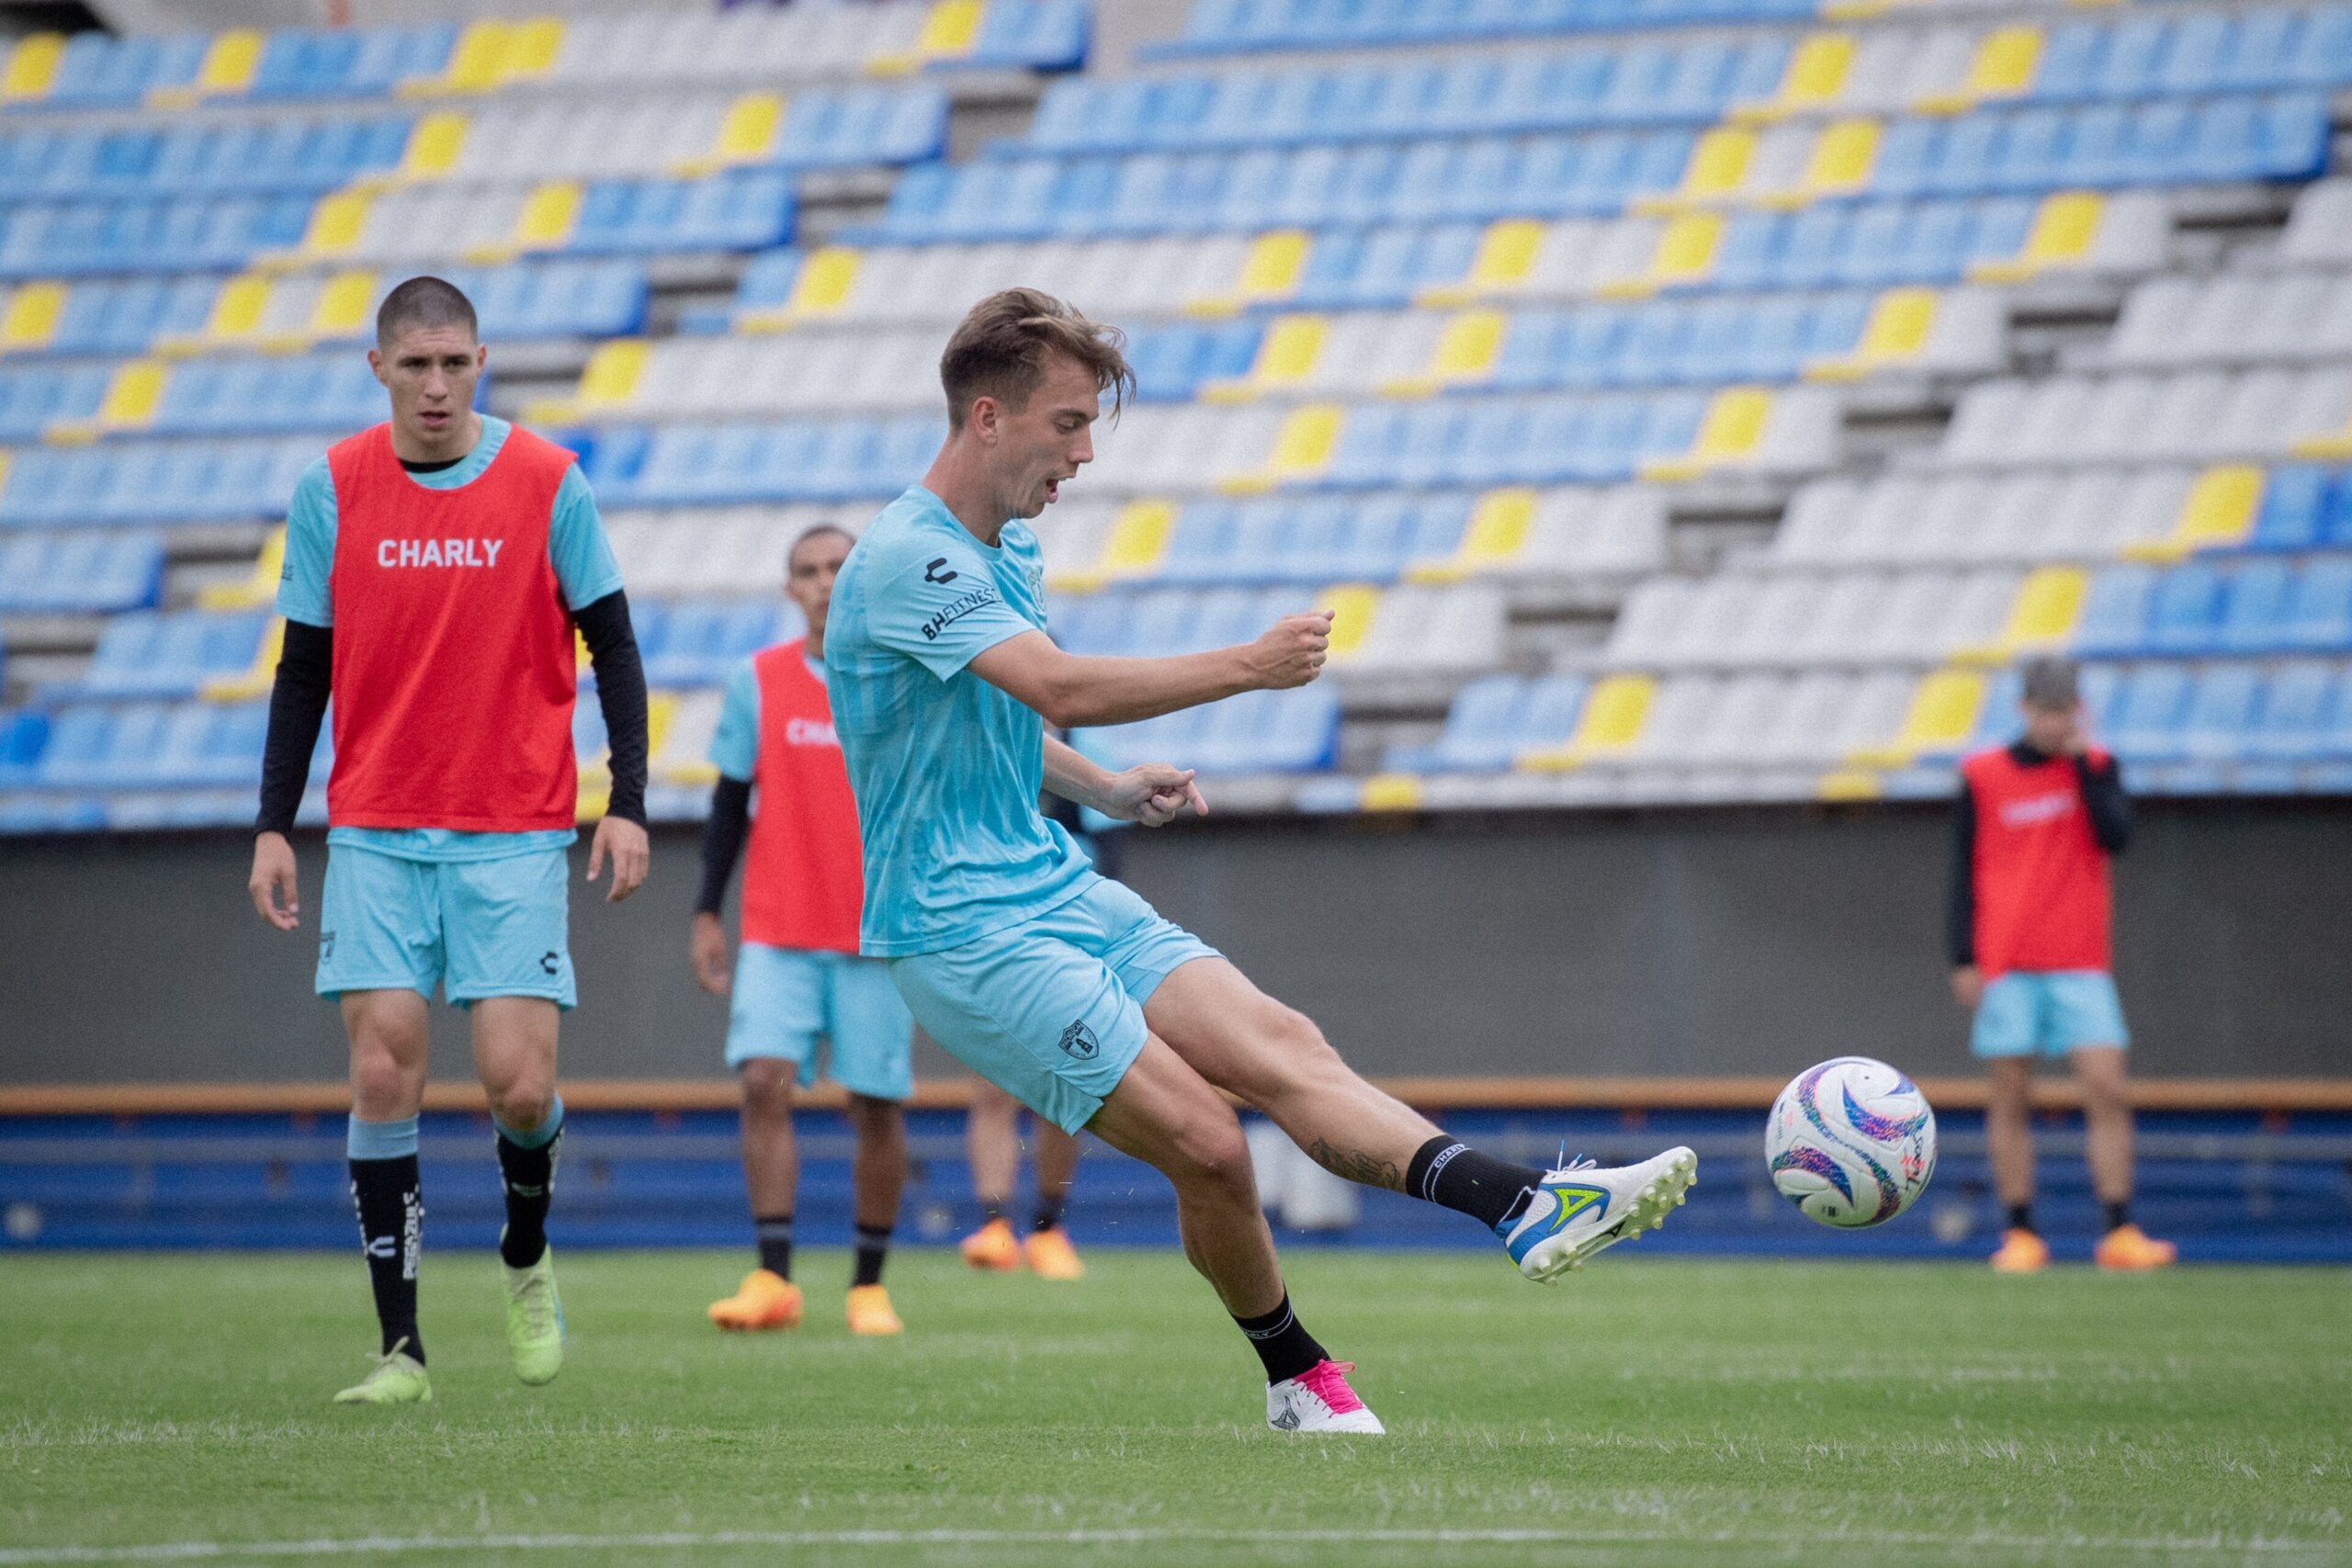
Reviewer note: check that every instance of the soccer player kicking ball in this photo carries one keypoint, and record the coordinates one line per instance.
(799, 974)
(1063, 987)
(435, 568)
(2034, 828)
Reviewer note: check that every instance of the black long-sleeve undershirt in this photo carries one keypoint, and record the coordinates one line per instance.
(2104, 800)
(722, 841)
(298, 704)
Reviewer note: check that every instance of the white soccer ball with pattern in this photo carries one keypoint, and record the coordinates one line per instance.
(1850, 1143)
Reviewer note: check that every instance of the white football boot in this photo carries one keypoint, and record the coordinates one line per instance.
(1583, 1207)
(1319, 1400)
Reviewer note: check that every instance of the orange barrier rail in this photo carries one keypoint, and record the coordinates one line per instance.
(2055, 1092)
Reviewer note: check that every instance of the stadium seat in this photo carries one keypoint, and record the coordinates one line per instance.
(81, 572)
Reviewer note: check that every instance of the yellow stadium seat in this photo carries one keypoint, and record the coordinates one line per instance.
(2218, 510)
(491, 53)
(1496, 534)
(130, 402)
(1942, 718)
(30, 320)
(2004, 67)
(746, 135)
(2064, 226)
(1814, 79)
(1138, 539)
(544, 224)
(606, 384)
(1464, 356)
(433, 145)
(31, 68)
(1717, 169)
(1685, 253)
(1302, 447)
(259, 587)
(336, 224)
(819, 288)
(1390, 792)
(948, 34)
(1734, 425)
(1270, 274)
(257, 678)
(1506, 252)
(1287, 357)
(1614, 713)
(1849, 784)
(1354, 606)
(2336, 444)
(1841, 164)
(342, 309)
(1900, 320)
(2043, 616)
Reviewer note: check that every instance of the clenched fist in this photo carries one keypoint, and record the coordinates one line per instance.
(1291, 652)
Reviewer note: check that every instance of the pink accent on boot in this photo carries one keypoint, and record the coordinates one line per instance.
(1328, 1381)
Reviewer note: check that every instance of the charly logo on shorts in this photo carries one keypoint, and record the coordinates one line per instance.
(1080, 1041)
(326, 944)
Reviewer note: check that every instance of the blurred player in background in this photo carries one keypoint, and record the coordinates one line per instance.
(1062, 986)
(799, 975)
(992, 1126)
(2037, 823)
(436, 569)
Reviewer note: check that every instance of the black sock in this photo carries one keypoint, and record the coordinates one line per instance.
(529, 1175)
(391, 1221)
(2021, 1217)
(774, 1235)
(873, 1246)
(1457, 1175)
(1049, 1214)
(991, 1210)
(1281, 1342)
(2118, 1213)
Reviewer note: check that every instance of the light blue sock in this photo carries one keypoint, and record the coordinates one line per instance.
(537, 1137)
(380, 1140)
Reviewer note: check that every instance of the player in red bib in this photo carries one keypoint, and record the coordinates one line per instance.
(2036, 825)
(798, 976)
(437, 566)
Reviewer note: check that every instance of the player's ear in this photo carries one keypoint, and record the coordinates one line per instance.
(376, 366)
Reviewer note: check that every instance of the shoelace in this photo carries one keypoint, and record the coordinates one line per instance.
(1567, 1165)
(538, 1308)
(1338, 1372)
(400, 1348)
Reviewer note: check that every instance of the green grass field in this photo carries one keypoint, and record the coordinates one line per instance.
(1646, 1413)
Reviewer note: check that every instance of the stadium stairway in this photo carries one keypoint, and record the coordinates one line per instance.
(1677, 402)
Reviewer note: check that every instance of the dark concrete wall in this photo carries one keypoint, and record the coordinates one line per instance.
(1686, 943)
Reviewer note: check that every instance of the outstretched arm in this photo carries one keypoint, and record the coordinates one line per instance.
(1072, 692)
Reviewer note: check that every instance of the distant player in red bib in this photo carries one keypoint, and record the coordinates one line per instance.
(437, 566)
(798, 977)
(2037, 823)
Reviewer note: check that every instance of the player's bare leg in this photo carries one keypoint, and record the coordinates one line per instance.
(1274, 1058)
(388, 1038)
(514, 1039)
(2107, 1126)
(2009, 1140)
(992, 1143)
(878, 1176)
(1167, 1115)
(767, 1298)
(1048, 1246)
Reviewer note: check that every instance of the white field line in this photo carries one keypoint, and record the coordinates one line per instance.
(387, 1546)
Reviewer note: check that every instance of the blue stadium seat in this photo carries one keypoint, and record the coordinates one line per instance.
(2319, 616)
(2321, 55)
(1482, 729)
(701, 640)
(2292, 720)
(2115, 616)
(1040, 35)
(2255, 609)
(2219, 715)
(23, 735)
(2184, 609)
(151, 653)
(83, 572)
(2150, 711)
(2294, 505)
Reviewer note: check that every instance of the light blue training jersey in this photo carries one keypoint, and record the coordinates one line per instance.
(946, 768)
(584, 569)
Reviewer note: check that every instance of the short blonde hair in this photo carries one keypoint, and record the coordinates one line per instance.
(1000, 348)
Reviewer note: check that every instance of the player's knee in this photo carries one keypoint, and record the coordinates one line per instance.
(767, 1087)
(524, 1104)
(380, 1083)
(1215, 1157)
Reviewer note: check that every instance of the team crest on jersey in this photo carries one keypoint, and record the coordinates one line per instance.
(1080, 1041)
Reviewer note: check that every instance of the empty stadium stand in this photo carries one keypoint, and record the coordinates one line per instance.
(1677, 401)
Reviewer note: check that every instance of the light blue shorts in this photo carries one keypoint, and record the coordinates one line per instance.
(785, 996)
(477, 928)
(1051, 1010)
(2048, 1013)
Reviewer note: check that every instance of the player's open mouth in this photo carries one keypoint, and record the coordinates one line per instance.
(1053, 491)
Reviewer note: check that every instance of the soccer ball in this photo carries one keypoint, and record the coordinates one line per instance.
(1851, 1143)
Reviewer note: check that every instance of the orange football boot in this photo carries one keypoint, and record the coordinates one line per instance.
(869, 1311)
(992, 1245)
(1050, 1255)
(2022, 1252)
(2128, 1250)
(764, 1300)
